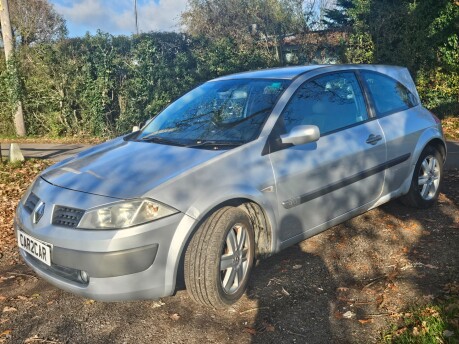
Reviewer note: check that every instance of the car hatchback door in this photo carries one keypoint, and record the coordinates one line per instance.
(319, 181)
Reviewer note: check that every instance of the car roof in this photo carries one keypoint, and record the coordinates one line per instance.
(290, 73)
(273, 73)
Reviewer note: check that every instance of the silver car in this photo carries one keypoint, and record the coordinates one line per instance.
(239, 168)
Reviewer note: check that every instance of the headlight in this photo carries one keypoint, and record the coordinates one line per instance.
(27, 193)
(124, 214)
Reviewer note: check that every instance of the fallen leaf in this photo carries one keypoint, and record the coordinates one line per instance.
(5, 333)
(89, 302)
(9, 309)
(250, 330)
(380, 300)
(33, 339)
(392, 275)
(430, 266)
(174, 316)
(157, 304)
(2, 298)
(338, 315)
(429, 297)
(348, 315)
(366, 321)
(392, 286)
(297, 266)
(285, 292)
(270, 328)
(401, 331)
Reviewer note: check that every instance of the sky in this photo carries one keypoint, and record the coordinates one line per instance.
(117, 16)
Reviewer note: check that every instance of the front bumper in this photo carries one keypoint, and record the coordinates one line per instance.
(134, 263)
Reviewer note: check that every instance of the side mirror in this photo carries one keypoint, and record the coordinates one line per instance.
(301, 134)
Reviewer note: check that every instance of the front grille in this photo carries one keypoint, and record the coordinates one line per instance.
(31, 202)
(67, 217)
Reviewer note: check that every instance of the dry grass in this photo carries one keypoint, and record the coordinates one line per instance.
(451, 127)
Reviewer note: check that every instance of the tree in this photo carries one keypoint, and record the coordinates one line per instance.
(338, 17)
(8, 45)
(421, 35)
(29, 24)
(36, 21)
(244, 22)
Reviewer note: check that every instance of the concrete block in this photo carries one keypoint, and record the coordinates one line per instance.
(15, 153)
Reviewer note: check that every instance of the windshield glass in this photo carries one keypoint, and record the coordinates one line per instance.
(227, 112)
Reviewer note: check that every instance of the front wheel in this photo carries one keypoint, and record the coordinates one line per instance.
(219, 258)
(425, 185)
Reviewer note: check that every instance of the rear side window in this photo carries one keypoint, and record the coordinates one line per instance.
(331, 102)
(388, 95)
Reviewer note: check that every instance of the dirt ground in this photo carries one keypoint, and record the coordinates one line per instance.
(342, 286)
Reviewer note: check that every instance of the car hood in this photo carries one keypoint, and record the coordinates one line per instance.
(125, 169)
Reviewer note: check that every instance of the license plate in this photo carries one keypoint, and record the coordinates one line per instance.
(39, 249)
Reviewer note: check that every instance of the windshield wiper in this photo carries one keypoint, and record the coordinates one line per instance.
(158, 139)
(216, 144)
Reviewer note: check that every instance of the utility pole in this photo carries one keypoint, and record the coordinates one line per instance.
(8, 46)
(136, 21)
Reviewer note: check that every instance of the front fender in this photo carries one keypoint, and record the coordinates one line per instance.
(207, 202)
(199, 210)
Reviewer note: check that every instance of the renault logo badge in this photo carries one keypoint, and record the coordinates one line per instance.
(38, 212)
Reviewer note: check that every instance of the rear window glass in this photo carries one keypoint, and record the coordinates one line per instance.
(388, 95)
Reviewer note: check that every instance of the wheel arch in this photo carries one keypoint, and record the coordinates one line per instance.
(262, 224)
(261, 217)
(431, 137)
(438, 145)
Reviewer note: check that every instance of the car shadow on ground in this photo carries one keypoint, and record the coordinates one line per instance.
(350, 282)
(293, 290)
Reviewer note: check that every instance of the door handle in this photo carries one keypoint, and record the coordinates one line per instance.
(373, 139)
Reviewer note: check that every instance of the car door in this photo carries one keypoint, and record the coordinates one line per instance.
(398, 111)
(319, 181)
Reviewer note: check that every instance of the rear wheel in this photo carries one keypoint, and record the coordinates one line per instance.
(219, 258)
(425, 185)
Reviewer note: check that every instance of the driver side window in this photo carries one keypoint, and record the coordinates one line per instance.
(331, 102)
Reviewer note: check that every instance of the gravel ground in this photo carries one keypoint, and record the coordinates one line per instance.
(342, 286)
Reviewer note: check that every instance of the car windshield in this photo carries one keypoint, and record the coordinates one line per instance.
(226, 112)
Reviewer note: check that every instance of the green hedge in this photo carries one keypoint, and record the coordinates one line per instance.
(102, 85)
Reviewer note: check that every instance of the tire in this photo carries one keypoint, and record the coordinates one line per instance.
(219, 258)
(426, 181)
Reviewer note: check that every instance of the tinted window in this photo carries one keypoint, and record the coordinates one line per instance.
(330, 102)
(388, 94)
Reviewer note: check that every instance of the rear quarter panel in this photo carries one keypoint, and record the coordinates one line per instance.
(406, 132)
